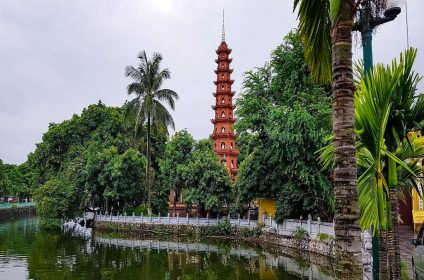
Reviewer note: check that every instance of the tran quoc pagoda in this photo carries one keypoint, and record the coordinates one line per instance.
(223, 135)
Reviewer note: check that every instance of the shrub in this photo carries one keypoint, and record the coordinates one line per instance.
(300, 233)
(224, 226)
(323, 236)
(140, 209)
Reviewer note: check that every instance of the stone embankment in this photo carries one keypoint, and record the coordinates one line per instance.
(17, 211)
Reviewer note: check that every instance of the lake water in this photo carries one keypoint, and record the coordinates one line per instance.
(20, 204)
(26, 252)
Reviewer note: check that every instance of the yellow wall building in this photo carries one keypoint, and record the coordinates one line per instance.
(417, 210)
(267, 207)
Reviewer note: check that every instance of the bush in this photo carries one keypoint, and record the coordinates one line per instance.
(140, 209)
(224, 226)
(248, 232)
(300, 233)
(323, 236)
(14, 206)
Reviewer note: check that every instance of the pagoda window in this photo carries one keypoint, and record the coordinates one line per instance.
(223, 129)
(232, 163)
(231, 146)
(224, 162)
(222, 114)
(223, 76)
(223, 100)
(223, 87)
(222, 146)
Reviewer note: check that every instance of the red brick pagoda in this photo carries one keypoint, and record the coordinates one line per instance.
(223, 134)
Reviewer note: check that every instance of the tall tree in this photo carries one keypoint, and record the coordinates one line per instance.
(283, 115)
(178, 154)
(146, 109)
(207, 182)
(326, 28)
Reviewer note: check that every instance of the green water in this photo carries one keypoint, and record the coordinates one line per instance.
(19, 204)
(29, 253)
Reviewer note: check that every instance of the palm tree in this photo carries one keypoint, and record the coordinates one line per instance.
(326, 28)
(386, 99)
(328, 51)
(146, 109)
(406, 113)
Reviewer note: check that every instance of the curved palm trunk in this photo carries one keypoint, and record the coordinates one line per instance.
(347, 231)
(384, 272)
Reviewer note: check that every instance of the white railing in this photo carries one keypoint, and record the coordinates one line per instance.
(288, 227)
(168, 220)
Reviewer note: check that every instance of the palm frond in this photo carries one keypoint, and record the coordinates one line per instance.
(130, 71)
(136, 88)
(167, 95)
(315, 29)
(162, 115)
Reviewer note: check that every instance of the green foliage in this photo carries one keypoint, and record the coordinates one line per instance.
(385, 102)
(140, 209)
(56, 201)
(207, 182)
(173, 166)
(323, 237)
(315, 30)
(404, 271)
(224, 226)
(91, 160)
(284, 117)
(300, 233)
(16, 180)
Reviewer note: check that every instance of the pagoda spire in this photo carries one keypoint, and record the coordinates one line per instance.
(223, 26)
(223, 134)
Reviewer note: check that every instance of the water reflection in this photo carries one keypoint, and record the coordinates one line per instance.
(26, 253)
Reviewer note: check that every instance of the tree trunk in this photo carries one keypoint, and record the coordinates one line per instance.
(384, 272)
(347, 232)
(148, 185)
(393, 237)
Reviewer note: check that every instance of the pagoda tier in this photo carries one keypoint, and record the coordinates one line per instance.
(223, 135)
(223, 120)
(224, 49)
(222, 92)
(220, 105)
(219, 134)
(229, 60)
(228, 70)
(223, 80)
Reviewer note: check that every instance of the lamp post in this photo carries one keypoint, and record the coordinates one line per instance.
(366, 23)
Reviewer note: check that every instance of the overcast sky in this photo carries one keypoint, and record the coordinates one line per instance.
(57, 57)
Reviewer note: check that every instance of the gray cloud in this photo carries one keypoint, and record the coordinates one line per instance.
(56, 57)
